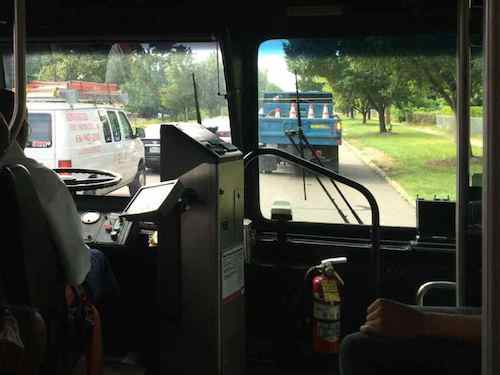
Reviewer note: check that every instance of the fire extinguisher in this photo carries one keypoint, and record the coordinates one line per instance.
(326, 307)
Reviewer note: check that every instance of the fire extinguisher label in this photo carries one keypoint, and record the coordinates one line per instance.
(330, 290)
(329, 331)
(324, 311)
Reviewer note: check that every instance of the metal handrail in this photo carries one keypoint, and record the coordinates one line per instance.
(20, 69)
(426, 287)
(316, 168)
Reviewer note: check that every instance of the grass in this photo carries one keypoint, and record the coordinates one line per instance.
(422, 163)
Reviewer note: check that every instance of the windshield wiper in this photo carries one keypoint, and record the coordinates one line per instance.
(300, 148)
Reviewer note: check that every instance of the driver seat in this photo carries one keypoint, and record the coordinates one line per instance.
(30, 272)
(28, 263)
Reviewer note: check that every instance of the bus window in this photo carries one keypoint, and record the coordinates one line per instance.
(476, 123)
(371, 109)
(97, 93)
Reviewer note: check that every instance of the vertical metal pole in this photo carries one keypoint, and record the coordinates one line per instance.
(491, 193)
(463, 144)
(20, 68)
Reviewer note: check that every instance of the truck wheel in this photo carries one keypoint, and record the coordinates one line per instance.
(139, 180)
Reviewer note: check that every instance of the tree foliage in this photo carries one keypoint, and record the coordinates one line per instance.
(142, 83)
(361, 82)
(380, 72)
(60, 66)
(156, 81)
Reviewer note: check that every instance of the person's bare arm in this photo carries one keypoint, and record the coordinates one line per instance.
(466, 327)
(394, 319)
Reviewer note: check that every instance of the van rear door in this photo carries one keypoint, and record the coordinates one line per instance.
(41, 140)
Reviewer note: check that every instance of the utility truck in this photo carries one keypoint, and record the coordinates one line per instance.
(315, 134)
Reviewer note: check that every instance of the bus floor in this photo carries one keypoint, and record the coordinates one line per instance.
(124, 369)
(261, 371)
(311, 368)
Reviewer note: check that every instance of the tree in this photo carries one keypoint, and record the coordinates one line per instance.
(363, 82)
(210, 94)
(176, 96)
(142, 82)
(76, 66)
(437, 75)
(376, 81)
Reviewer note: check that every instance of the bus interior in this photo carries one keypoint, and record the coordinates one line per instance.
(215, 256)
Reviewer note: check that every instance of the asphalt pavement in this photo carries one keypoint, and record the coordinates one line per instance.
(310, 203)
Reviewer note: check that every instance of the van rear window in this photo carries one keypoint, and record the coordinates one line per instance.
(40, 130)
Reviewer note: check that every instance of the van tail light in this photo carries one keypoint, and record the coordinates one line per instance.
(64, 164)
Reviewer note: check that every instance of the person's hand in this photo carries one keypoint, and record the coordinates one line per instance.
(394, 319)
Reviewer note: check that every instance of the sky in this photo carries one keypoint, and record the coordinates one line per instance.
(202, 51)
(272, 60)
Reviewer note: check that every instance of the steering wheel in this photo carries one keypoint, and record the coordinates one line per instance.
(79, 179)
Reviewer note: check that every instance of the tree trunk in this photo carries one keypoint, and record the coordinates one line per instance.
(365, 113)
(388, 115)
(381, 120)
(369, 114)
(352, 113)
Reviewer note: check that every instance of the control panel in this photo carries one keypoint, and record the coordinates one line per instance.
(104, 228)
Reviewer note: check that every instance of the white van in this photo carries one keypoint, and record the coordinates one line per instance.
(89, 136)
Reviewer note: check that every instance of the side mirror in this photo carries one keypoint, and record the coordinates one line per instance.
(140, 133)
(213, 129)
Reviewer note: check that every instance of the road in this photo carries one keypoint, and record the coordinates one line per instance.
(315, 206)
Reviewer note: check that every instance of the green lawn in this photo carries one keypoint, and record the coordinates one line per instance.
(423, 164)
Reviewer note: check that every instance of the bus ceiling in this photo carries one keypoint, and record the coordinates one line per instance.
(150, 18)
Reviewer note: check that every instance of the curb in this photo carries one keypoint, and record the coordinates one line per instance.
(380, 172)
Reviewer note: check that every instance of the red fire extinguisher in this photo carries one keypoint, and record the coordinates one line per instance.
(326, 302)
